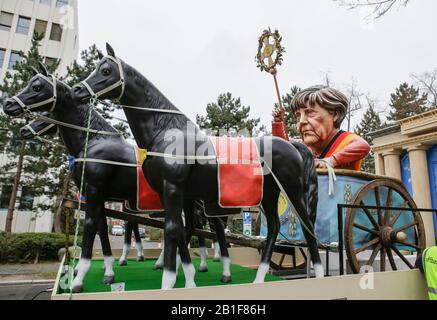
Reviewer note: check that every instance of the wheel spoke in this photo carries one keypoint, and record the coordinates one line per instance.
(369, 216)
(359, 226)
(398, 214)
(391, 259)
(406, 227)
(412, 245)
(382, 259)
(378, 204)
(403, 257)
(389, 203)
(374, 255)
(367, 245)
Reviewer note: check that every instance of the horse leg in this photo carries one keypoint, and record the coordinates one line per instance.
(159, 264)
(301, 208)
(185, 239)
(270, 206)
(139, 244)
(173, 233)
(220, 232)
(95, 210)
(107, 252)
(203, 255)
(127, 244)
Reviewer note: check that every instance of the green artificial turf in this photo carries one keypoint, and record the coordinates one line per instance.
(141, 276)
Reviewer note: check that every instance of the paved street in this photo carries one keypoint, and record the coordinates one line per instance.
(24, 292)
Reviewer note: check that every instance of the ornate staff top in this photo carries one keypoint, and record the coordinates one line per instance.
(270, 51)
(269, 56)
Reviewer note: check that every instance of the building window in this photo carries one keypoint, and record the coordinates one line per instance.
(15, 58)
(56, 33)
(5, 197)
(23, 25)
(40, 26)
(51, 62)
(6, 21)
(26, 200)
(61, 3)
(2, 57)
(48, 2)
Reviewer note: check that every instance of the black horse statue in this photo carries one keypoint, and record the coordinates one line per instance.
(104, 182)
(39, 128)
(158, 126)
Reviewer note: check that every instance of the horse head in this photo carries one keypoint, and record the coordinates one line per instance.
(106, 82)
(42, 93)
(38, 128)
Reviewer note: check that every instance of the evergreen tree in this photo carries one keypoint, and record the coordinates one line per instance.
(27, 162)
(290, 119)
(407, 101)
(228, 114)
(369, 123)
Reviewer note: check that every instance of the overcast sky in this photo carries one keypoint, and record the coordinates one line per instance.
(194, 50)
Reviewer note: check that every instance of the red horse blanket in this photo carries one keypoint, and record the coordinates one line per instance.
(147, 199)
(240, 175)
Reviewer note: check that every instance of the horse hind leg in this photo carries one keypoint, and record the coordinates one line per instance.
(308, 231)
(270, 208)
(223, 245)
(108, 258)
(138, 244)
(127, 244)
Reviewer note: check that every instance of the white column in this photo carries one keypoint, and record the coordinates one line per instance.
(379, 164)
(421, 187)
(392, 163)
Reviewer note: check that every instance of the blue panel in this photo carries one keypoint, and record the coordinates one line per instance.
(432, 168)
(406, 173)
(326, 223)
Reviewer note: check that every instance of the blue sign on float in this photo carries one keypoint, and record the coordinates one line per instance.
(247, 218)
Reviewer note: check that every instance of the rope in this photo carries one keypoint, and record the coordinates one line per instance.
(82, 183)
(72, 126)
(332, 178)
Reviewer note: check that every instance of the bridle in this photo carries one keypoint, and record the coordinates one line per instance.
(120, 83)
(42, 131)
(27, 108)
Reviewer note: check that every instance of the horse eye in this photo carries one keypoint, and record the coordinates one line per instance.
(106, 72)
(36, 88)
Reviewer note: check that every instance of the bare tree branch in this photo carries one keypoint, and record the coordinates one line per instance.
(378, 7)
(427, 82)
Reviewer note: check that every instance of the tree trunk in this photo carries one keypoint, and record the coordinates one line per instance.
(58, 215)
(13, 198)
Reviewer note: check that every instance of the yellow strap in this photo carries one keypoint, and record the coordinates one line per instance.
(142, 156)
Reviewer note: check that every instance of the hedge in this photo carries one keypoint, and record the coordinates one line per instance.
(31, 247)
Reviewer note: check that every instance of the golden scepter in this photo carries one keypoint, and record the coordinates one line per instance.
(270, 52)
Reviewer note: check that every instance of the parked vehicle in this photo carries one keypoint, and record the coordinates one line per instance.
(117, 230)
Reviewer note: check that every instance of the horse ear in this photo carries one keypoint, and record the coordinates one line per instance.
(34, 71)
(100, 54)
(43, 69)
(110, 50)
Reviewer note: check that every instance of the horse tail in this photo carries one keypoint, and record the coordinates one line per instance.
(311, 183)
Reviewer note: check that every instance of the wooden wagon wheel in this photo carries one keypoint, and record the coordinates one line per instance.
(383, 232)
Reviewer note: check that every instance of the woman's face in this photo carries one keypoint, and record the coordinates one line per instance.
(316, 126)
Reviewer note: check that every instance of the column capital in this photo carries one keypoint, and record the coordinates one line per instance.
(391, 152)
(417, 147)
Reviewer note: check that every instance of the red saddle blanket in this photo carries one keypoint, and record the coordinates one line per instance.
(240, 175)
(147, 199)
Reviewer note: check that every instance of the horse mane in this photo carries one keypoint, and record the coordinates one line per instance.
(156, 100)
